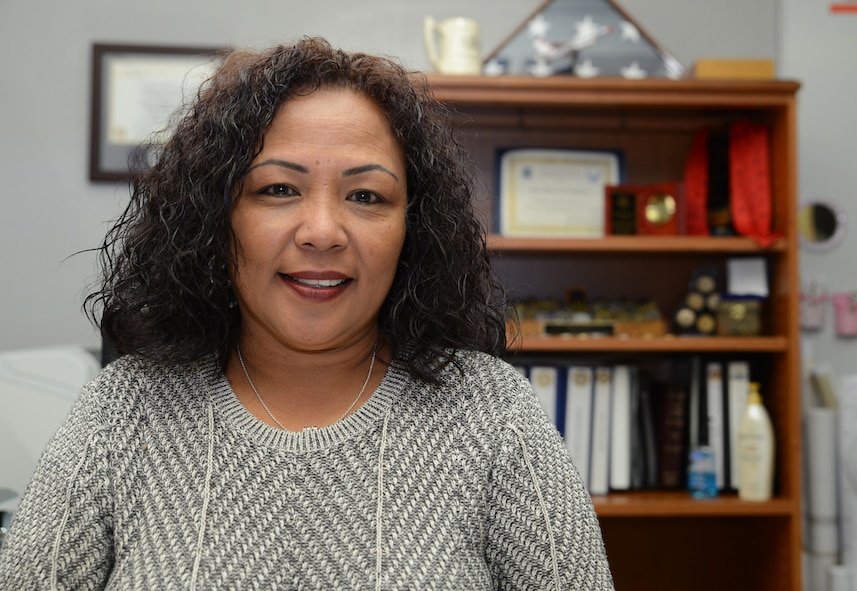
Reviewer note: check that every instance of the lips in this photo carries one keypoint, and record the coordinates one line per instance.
(317, 283)
(317, 286)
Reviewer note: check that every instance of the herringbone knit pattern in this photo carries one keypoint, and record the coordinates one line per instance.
(161, 479)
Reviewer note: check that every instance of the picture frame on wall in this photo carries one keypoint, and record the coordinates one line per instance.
(135, 91)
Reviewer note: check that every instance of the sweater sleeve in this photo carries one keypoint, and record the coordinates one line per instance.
(61, 534)
(543, 531)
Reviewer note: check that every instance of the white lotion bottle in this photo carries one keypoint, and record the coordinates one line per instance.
(755, 450)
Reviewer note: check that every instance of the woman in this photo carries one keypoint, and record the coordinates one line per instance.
(310, 395)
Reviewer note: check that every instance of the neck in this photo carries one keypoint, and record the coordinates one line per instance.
(305, 391)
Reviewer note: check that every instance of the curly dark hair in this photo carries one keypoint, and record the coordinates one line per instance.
(165, 292)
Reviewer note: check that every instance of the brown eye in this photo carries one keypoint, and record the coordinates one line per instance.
(278, 190)
(364, 196)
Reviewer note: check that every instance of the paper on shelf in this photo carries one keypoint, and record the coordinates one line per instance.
(747, 277)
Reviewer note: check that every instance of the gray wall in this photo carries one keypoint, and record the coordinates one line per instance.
(49, 208)
(819, 50)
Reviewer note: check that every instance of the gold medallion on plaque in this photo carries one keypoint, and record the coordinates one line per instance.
(642, 209)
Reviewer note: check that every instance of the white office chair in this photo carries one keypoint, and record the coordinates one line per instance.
(37, 389)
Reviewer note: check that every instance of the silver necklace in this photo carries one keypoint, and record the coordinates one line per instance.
(268, 410)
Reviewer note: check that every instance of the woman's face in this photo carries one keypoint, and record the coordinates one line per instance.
(320, 224)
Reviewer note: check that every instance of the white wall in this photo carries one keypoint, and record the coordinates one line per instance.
(819, 49)
(49, 208)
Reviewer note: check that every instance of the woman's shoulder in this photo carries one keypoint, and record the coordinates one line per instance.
(489, 380)
(126, 380)
(485, 397)
(486, 366)
(134, 368)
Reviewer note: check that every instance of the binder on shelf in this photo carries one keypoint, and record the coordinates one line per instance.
(715, 413)
(672, 431)
(696, 433)
(599, 459)
(637, 433)
(546, 383)
(737, 389)
(620, 427)
(578, 416)
(646, 475)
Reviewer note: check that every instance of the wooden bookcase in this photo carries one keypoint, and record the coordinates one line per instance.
(660, 540)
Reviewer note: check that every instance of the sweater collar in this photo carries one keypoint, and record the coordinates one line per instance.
(369, 414)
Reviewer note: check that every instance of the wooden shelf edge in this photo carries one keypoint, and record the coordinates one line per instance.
(680, 504)
(615, 84)
(606, 91)
(577, 344)
(631, 244)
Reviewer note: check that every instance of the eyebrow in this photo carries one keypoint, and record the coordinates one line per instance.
(303, 169)
(367, 168)
(283, 163)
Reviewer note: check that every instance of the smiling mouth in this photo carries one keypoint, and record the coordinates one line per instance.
(317, 283)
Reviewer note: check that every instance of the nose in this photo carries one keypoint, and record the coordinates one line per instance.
(322, 224)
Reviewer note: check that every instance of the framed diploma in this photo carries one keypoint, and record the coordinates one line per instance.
(555, 193)
(135, 91)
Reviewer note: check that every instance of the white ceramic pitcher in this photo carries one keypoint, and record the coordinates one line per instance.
(459, 47)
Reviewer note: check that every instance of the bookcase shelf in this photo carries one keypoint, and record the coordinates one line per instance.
(658, 539)
(633, 244)
(679, 503)
(666, 344)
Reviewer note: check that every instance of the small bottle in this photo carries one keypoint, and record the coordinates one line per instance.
(701, 467)
(701, 475)
(755, 450)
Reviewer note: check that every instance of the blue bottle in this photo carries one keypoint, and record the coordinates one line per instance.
(701, 475)
(702, 465)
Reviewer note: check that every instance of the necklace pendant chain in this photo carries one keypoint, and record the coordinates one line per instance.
(268, 410)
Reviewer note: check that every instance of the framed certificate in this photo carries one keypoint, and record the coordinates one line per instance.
(555, 193)
(135, 90)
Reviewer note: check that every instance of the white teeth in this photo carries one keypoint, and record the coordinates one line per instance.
(320, 282)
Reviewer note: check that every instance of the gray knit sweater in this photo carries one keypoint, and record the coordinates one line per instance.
(161, 479)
